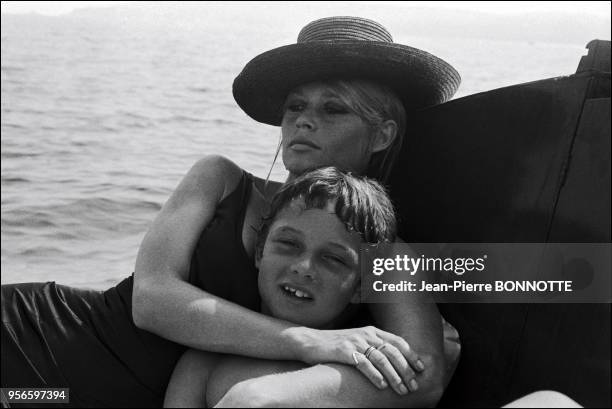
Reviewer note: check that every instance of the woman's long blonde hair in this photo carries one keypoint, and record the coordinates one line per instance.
(374, 103)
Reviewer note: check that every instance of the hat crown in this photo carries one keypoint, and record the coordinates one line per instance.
(344, 28)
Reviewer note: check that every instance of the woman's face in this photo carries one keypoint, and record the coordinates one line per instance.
(309, 268)
(320, 130)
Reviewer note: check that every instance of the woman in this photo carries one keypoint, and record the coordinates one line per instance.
(187, 290)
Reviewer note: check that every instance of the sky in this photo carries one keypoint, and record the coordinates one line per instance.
(601, 8)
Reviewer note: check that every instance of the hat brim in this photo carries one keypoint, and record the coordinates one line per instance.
(420, 79)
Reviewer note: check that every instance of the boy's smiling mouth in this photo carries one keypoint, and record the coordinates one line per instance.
(296, 293)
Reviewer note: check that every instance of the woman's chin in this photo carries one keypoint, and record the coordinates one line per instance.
(301, 165)
(300, 168)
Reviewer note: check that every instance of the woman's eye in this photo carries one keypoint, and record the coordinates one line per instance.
(295, 107)
(335, 109)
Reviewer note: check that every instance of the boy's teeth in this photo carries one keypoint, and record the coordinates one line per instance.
(297, 293)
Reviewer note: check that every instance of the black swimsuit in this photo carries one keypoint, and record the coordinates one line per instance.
(220, 247)
(58, 336)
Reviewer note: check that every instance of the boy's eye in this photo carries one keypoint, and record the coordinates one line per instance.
(335, 259)
(287, 243)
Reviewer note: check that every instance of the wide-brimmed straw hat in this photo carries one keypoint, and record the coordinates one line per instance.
(342, 48)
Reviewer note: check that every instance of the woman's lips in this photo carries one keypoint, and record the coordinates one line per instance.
(302, 145)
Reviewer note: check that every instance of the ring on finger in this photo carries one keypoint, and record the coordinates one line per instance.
(369, 351)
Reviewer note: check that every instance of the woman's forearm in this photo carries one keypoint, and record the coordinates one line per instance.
(181, 312)
(165, 303)
(187, 315)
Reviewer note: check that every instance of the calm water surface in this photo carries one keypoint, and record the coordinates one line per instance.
(102, 116)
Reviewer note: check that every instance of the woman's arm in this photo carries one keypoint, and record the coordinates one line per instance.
(415, 318)
(245, 382)
(166, 304)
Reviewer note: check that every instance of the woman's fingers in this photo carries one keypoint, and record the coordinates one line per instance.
(365, 366)
(392, 357)
(411, 356)
(385, 359)
(400, 364)
(391, 374)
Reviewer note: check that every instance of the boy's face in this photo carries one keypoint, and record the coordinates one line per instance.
(309, 268)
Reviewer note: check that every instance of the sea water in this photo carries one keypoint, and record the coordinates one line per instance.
(104, 112)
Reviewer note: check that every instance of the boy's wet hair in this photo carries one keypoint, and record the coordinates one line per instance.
(362, 204)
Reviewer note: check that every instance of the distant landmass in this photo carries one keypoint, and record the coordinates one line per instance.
(557, 27)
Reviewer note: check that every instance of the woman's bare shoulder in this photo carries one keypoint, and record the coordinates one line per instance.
(221, 169)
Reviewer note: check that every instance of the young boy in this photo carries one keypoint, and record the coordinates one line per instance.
(308, 261)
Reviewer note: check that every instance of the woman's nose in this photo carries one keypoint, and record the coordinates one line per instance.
(305, 120)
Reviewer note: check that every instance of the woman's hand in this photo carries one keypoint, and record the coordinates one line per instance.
(385, 359)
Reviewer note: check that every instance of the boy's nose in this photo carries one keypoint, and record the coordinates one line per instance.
(304, 268)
